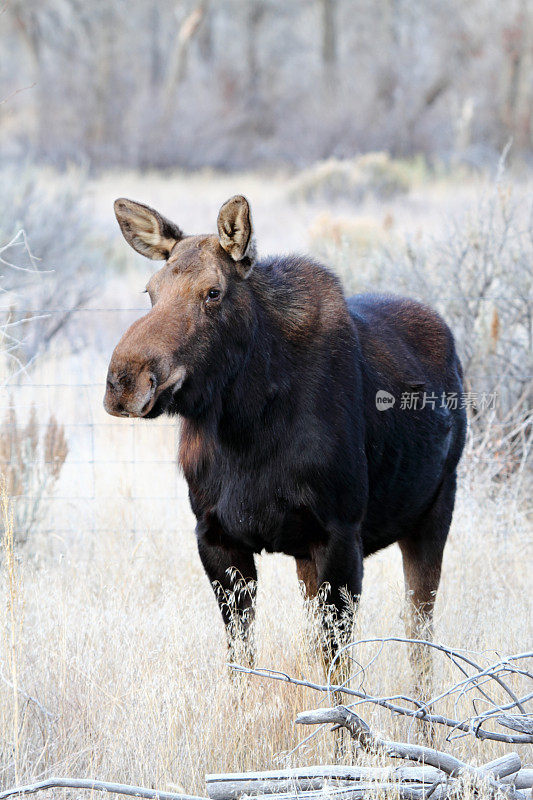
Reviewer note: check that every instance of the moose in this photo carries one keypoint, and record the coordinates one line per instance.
(296, 436)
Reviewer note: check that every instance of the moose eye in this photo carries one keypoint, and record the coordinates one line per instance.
(213, 294)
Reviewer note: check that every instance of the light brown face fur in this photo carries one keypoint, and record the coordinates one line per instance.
(196, 265)
(185, 295)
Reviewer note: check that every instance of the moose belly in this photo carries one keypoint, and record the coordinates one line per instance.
(249, 523)
(269, 523)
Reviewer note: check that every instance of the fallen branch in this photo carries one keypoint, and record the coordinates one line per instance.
(521, 780)
(340, 716)
(502, 767)
(419, 713)
(516, 723)
(99, 786)
(231, 786)
(357, 792)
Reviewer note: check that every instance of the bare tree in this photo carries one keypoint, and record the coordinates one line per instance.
(329, 41)
(455, 75)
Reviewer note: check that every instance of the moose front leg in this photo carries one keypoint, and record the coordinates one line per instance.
(339, 568)
(233, 576)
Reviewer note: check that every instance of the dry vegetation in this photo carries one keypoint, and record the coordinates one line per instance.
(112, 651)
(120, 642)
(56, 259)
(374, 174)
(236, 83)
(31, 460)
(112, 656)
(478, 273)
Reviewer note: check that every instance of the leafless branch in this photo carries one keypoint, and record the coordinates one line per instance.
(516, 723)
(99, 786)
(340, 716)
(512, 665)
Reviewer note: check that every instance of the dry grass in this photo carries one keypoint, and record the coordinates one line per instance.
(31, 459)
(121, 641)
(373, 174)
(111, 632)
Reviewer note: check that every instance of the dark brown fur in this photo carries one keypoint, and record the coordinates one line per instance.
(276, 375)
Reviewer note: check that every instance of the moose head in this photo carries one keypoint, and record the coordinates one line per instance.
(178, 357)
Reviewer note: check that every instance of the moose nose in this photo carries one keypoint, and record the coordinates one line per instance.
(125, 397)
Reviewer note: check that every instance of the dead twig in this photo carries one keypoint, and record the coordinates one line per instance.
(477, 682)
(99, 786)
(516, 723)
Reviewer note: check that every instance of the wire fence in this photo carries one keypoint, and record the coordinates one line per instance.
(115, 474)
(112, 475)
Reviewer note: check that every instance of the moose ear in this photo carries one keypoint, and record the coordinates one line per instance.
(147, 231)
(235, 233)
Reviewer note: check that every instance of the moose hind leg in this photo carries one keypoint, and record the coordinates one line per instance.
(422, 552)
(233, 576)
(307, 575)
(308, 581)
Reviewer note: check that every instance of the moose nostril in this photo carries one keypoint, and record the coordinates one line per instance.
(113, 384)
(152, 382)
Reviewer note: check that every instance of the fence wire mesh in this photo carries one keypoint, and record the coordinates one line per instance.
(115, 474)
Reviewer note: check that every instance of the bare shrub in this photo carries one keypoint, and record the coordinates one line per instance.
(31, 459)
(333, 238)
(374, 174)
(480, 277)
(68, 255)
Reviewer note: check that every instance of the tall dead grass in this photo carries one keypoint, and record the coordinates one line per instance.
(31, 459)
(121, 660)
(112, 650)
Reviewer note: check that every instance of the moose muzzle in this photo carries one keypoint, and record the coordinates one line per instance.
(133, 391)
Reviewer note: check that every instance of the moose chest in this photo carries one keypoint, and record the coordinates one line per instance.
(252, 505)
(251, 511)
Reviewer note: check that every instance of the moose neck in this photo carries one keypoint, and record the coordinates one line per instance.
(259, 392)
(293, 308)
